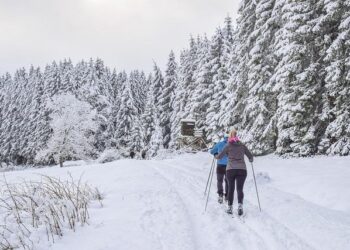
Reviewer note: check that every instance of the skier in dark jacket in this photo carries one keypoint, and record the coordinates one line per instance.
(221, 169)
(236, 170)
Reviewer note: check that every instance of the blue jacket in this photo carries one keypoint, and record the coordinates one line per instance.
(217, 149)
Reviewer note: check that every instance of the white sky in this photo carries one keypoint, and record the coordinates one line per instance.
(126, 34)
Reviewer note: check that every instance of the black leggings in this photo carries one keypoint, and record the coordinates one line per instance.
(237, 176)
(221, 178)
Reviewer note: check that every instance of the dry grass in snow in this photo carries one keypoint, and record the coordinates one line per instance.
(35, 210)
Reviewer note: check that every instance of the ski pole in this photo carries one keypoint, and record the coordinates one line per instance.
(211, 179)
(256, 187)
(211, 169)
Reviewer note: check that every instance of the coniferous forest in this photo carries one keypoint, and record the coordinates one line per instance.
(280, 74)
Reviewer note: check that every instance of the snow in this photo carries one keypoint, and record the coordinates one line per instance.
(159, 204)
(188, 120)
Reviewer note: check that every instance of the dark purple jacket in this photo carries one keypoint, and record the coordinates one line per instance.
(235, 152)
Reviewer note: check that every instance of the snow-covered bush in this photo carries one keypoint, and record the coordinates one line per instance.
(109, 155)
(31, 212)
(156, 143)
(5, 166)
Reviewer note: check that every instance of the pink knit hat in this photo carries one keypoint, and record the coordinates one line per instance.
(233, 139)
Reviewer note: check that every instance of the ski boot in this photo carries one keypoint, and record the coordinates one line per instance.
(229, 209)
(240, 209)
(220, 199)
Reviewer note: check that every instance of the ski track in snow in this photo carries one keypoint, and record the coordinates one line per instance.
(174, 213)
(159, 205)
(260, 229)
(288, 221)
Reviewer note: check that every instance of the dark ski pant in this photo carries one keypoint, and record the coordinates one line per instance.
(235, 176)
(221, 177)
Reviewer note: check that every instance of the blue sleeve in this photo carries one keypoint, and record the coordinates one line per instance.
(222, 153)
(215, 149)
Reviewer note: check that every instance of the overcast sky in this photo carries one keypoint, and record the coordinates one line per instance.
(126, 34)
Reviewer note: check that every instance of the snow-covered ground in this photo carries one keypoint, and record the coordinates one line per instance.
(159, 204)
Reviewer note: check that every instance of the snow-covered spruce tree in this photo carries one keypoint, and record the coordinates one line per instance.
(115, 84)
(258, 124)
(139, 89)
(144, 84)
(111, 122)
(177, 101)
(228, 116)
(36, 122)
(201, 89)
(79, 76)
(336, 98)
(148, 119)
(211, 77)
(118, 80)
(228, 38)
(2, 103)
(126, 117)
(157, 83)
(97, 91)
(23, 124)
(175, 119)
(4, 80)
(237, 89)
(187, 67)
(298, 79)
(73, 124)
(19, 105)
(65, 68)
(166, 98)
(229, 61)
(220, 75)
(31, 97)
(8, 110)
(52, 80)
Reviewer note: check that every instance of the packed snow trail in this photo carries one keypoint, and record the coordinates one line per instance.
(159, 204)
(248, 236)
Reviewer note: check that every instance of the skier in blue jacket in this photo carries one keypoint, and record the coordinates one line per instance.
(221, 168)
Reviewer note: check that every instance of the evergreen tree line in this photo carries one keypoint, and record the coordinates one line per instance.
(281, 76)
